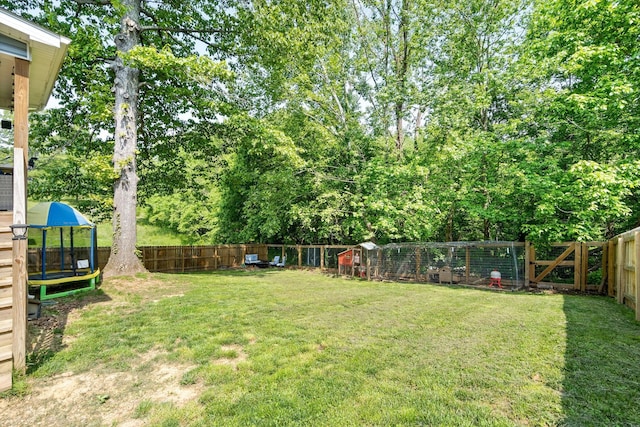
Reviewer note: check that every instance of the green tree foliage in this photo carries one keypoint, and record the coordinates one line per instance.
(338, 121)
(585, 59)
(122, 69)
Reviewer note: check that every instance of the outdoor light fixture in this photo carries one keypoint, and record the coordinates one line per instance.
(19, 231)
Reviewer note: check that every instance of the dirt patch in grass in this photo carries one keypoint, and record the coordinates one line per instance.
(100, 398)
(148, 288)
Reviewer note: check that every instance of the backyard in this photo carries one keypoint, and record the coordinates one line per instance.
(269, 347)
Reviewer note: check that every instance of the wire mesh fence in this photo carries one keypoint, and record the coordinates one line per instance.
(469, 263)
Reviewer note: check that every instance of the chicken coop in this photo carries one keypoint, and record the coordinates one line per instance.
(469, 263)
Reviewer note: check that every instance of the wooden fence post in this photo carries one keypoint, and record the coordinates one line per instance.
(604, 268)
(584, 268)
(322, 267)
(620, 271)
(532, 264)
(636, 244)
(418, 261)
(611, 267)
(577, 264)
(299, 255)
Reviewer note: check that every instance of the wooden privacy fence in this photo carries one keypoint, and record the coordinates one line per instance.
(624, 268)
(181, 259)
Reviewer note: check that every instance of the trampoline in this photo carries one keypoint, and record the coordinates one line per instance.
(65, 244)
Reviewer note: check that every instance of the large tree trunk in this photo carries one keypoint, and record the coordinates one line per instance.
(402, 73)
(124, 259)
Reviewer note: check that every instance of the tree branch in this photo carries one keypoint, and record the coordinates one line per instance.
(93, 2)
(180, 30)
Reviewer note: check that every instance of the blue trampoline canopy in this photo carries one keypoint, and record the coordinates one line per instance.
(56, 214)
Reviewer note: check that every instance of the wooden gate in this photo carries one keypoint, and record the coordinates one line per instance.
(575, 257)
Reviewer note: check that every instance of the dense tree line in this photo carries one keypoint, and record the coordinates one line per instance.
(349, 120)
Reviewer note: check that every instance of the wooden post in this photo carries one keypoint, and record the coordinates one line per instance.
(299, 255)
(418, 262)
(577, 266)
(584, 267)
(353, 263)
(19, 304)
(155, 258)
(527, 263)
(636, 244)
(20, 155)
(611, 267)
(19, 270)
(620, 271)
(322, 258)
(368, 266)
(532, 264)
(21, 112)
(604, 268)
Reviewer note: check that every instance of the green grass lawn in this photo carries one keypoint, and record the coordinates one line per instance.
(315, 350)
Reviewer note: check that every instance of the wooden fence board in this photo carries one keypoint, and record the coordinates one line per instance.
(624, 269)
(636, 273)
(5, 374)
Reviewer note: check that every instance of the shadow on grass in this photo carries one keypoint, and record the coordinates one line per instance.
(602, 373)
(239, 272)
(45, 334)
